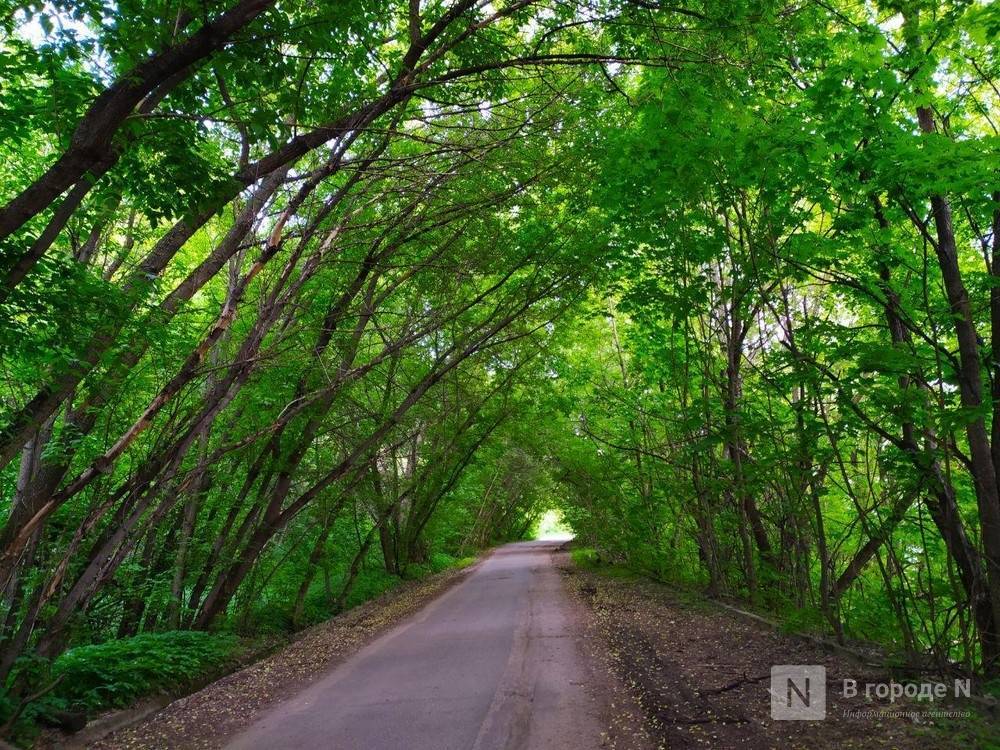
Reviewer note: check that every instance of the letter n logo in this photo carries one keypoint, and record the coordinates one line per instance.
(798, 692)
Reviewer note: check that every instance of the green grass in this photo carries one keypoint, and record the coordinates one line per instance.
(584, 557)
(272, 615)
(436, 563)
(588, 558)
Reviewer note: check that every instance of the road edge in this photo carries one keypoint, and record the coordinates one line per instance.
(116, 729)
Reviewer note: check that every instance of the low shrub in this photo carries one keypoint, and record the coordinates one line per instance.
(115, 673)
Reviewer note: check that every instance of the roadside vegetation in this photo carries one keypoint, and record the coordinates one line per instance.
(300, 300)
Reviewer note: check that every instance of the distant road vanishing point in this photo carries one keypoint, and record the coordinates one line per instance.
(495, 663)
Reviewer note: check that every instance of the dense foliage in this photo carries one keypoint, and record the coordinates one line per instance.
(302, 298)
(791, 394)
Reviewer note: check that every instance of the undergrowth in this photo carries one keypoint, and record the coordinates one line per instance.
(94, 678)
(90, 679)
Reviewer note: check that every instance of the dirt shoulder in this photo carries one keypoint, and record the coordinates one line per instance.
(701, 674)
(208, 718)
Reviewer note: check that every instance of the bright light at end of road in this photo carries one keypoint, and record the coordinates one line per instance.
(552, 526)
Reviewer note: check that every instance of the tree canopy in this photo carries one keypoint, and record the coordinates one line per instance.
(297, 291)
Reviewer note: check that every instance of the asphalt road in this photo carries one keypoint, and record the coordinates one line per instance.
(496, 662)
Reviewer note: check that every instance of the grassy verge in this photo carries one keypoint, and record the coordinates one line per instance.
(589, 559)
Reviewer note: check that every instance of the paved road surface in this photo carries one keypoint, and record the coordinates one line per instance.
(495, 663)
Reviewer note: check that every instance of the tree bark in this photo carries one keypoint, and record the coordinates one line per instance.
(92, 140)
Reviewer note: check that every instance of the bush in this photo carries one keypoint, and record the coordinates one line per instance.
(118, 672)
